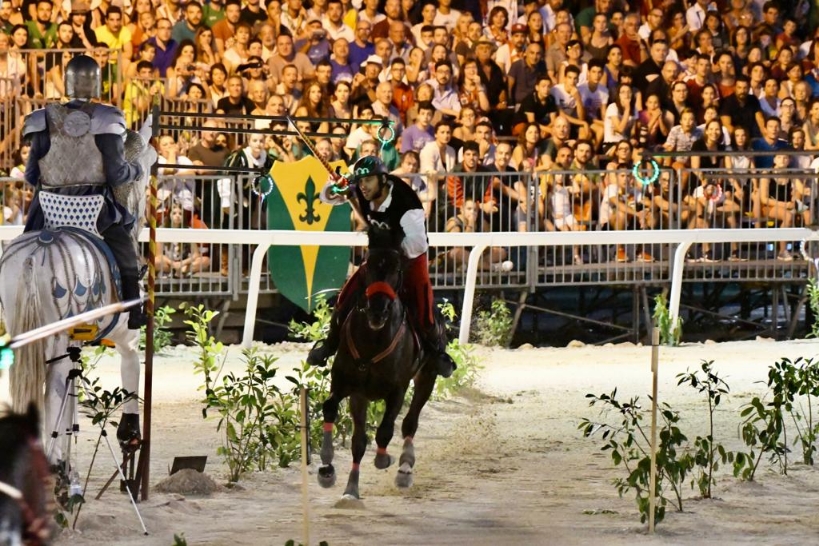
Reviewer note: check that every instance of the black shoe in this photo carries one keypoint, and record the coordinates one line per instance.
(137, 318)
(445, 365)
(319, 354)
(128, 433)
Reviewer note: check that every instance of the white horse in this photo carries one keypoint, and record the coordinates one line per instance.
(62, 271)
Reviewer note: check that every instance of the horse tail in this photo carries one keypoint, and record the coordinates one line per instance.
(28, 374)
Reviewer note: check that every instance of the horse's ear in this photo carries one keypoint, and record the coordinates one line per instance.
(33, 419)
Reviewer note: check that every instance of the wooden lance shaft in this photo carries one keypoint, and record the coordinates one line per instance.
(655, 357)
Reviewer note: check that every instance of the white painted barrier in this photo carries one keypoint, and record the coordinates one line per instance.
(478, 241)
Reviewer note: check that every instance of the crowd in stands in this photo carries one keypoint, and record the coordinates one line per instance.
(570, 92)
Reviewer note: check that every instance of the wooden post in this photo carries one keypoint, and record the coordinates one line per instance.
(305, 436)
(655, 356)
(144, 467)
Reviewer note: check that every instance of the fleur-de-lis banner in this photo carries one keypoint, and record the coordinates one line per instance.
(302, 272)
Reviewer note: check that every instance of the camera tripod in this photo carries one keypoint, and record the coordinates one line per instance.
(71, 383)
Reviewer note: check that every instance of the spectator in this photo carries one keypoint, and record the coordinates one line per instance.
(224, 30)
(556, 53)
(595, 97)
(207, 151)
(84, 37)
(539, 107)
(362, 47)
(408, 172)
(252, 14)
(634, 52)
(313, 105)
(342, 68)
(315, 45)
(165, 46)
(116, 37)
(183, 70)
(213, 11)
(574, 54)
(187, 28)
(236, 102)
(218, 83)
(465, 128)
(768, 143)
(287, 56)
(651, 68)
(811, 126)
(171, 10)
(652, 130)
(682, 136)
(416, 136)
(445, 96)
(138, 94)
(340, 108)
(526, 155)
(614, 63)
(110, 88)
(180, 260)
(601, 39)
(438, 156)
(287, 88)
(778, 200)
(512, 50)
(621, 118)
(524, 73)
(486, 150)
(42, 32)
(570, 103)
(787, 117)
(369, 12)
(678, 103)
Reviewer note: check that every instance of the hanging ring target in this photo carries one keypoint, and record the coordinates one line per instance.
(387, 128)
(256, 186)
(655, 171)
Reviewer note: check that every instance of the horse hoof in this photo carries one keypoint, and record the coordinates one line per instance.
(403, 479)
(383, 460)
(327, 476)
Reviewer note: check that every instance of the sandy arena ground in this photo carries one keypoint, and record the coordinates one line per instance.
(506, 465)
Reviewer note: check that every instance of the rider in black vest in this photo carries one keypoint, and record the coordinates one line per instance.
(389, 205)
(78, 149)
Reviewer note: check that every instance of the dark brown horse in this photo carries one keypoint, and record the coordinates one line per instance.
(378, 356)
(24, 514)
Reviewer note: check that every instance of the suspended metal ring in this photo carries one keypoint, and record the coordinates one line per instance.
(256, 186)
(655, 171)
(386, 126)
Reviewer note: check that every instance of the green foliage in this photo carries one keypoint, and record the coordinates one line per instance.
(793, 386)
(670, 334)
(708, 454)
(493, 328)
(813, 302)
(162, 336)
(464, 376)
(180, 540)
(317, 329)
(210, 350)
(630, 446)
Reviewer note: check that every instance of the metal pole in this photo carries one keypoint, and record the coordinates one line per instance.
(655, 357)
(145, 451)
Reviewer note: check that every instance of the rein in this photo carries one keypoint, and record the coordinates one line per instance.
(348, 336)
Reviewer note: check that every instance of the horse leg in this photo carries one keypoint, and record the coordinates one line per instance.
(358, 410)
(326, 472)
(128, 431)
(423, 390)
(386, 429)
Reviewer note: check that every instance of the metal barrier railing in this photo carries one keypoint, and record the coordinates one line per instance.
(513, 202)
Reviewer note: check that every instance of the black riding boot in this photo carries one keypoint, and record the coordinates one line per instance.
(327, 347)
(436, 346)
(130, 291)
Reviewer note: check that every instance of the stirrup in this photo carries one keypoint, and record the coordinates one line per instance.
(445, 365)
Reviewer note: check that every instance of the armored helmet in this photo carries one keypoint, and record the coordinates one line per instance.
(367, 166)
(82, 78)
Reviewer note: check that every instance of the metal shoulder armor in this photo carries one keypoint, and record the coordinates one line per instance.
(107, 120)
(35, 122)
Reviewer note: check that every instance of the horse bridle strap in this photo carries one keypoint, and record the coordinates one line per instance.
(380, 356)
(381, 287)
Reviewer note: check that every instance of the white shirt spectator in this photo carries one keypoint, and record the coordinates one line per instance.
(767, 109)
(343, 31)
(610, 136)
(449, 20)
(511, 7)
(562, 207)
(695, 16)
(564, 101)
(433, 162)
(506, 55)
(355, 139)
(606, 208)
(594, 101)
(362, 16)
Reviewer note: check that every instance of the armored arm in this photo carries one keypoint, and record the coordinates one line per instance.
(35, 129)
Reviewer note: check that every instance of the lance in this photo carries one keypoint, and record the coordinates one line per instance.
(337, 178)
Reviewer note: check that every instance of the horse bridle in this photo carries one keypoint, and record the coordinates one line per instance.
(35, 529)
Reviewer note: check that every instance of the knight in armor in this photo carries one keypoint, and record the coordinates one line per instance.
(77, 148)
(388, 204)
